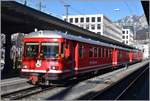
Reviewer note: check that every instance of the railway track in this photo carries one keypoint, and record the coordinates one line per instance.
(121, 88)
(130, 85)
(25, 93)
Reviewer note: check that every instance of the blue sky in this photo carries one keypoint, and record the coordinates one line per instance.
(106, 7)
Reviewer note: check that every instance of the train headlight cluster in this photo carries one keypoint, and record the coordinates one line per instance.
(54, 67)
(25, 66)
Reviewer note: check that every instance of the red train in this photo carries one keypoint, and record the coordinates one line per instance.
(53, 56)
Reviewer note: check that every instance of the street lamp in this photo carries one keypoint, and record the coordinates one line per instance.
(66, 12)
(116, 10)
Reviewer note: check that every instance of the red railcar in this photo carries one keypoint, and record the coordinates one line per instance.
(52, 56)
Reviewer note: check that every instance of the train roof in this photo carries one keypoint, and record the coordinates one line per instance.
(58, 34)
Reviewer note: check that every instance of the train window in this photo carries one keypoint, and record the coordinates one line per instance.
(95, 52)
(31, 49)
(106, 52)
(67, 44)
(103, 52)
(62, 48)
(99, 52)
(80, 51)
(120, 54)
(49, 49)
(83, 51)
(91, 52)
(110, 53)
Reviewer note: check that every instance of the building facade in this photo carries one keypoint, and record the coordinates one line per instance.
(97, 23)
(127, 35)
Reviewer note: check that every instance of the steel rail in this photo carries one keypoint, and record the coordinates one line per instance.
(25, 93)
(125, 90)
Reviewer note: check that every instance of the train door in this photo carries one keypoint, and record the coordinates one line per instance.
(115, 57)
(76, 45)
(73, 54)
(70, 57)
(130, 56)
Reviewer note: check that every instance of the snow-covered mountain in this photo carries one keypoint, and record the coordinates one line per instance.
(139, 22)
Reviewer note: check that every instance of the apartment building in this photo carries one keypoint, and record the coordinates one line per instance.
(97, 23)
(127, 35)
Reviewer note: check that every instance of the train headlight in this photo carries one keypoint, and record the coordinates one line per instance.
(25, 66)
(54, 67)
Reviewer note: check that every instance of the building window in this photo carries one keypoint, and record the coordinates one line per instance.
(81, 19)
(123, 37)
(82, 25)
(127, 42)
(126, 37)
(127, 32)
(87, 26)
(98, 26)
(76, 20)
(95, 52)
(71, 20)
(93, 26)
(98, 19)
(93, 19)
(87, 19)
(123, 32)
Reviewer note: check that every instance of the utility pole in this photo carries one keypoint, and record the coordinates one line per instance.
(25, 2)
(40, 5)
(67, 6)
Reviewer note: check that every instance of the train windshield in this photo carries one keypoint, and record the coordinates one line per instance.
(49, 50)
(31, 50)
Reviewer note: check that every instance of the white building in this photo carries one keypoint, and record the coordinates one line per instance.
(127, 35)
(145, 46)
(97, 23)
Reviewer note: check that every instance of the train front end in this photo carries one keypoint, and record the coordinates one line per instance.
(42, 59)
